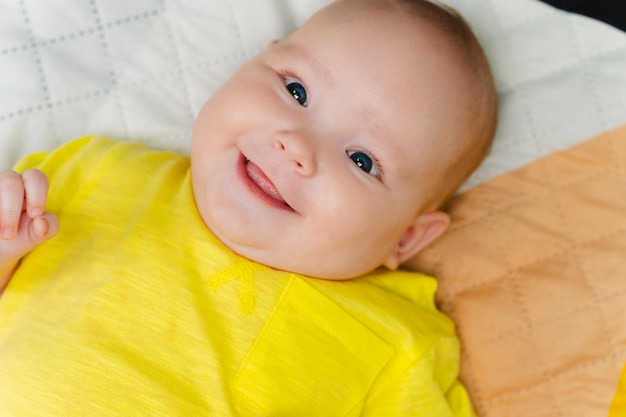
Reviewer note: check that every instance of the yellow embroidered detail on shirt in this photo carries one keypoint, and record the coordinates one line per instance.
(244, 272)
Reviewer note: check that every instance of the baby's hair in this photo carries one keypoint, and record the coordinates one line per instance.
(480, 81)
(470, 56)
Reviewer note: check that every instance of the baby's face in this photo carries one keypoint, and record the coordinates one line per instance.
(315, 156)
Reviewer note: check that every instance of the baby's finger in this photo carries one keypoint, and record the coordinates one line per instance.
(31, 232)
(11, 203)
(36, 192)
(43, 228)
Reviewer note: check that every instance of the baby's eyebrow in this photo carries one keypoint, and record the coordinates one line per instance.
(302, 53)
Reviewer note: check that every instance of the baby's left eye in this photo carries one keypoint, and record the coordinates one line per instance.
(364, 162)
(298, 92)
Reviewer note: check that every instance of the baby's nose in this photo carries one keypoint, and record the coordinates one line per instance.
(299, 150)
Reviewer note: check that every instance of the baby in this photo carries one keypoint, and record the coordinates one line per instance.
(183, 286)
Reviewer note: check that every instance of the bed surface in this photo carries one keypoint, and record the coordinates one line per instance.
(539, 300)
(141, 70)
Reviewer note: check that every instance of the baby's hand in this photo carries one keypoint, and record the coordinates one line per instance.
(24, 223)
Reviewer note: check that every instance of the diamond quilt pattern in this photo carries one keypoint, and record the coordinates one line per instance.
(141, 70)
(534, 274)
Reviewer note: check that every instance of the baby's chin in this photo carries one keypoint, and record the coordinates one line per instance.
(263, 251)
(310, 267)
(290, 263)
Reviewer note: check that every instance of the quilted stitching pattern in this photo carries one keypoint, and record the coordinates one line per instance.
(559, 95)
(132, 70)
(532, 272)
(141, 70)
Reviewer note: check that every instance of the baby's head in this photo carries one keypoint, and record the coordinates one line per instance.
(332, 151)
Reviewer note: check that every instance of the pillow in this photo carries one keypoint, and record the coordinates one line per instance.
(136, 70)
(532, 273)
(141, 70)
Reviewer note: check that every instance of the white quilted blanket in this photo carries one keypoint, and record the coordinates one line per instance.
(141, 69)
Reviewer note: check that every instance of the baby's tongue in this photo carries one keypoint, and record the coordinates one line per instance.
(260, 179)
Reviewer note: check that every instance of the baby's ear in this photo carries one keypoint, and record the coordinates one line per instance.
(425, 229)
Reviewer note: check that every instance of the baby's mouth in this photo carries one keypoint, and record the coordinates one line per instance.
(258, 177)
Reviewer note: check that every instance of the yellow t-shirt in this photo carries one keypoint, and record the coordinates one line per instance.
(136, 309)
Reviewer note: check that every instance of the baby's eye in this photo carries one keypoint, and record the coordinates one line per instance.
(364, 162)
(298, 91)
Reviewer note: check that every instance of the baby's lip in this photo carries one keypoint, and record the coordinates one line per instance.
(263, 186)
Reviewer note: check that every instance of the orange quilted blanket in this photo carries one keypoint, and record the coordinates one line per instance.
(533, 271)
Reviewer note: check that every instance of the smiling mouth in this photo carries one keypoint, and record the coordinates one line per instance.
(262, 186)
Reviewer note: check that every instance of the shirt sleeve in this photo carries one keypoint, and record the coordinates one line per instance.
(68, 168)
(427, 387)
(423, 380)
